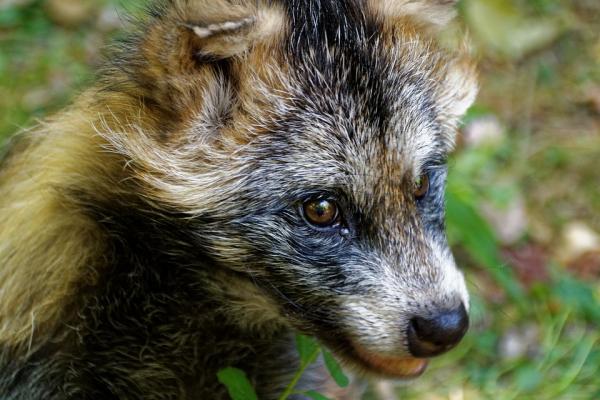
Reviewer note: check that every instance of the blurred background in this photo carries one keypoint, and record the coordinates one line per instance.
(523, 193)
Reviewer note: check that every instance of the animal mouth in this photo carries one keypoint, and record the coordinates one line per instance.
(367, 362)
(392, 367)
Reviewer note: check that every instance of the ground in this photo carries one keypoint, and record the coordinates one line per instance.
(523, 192)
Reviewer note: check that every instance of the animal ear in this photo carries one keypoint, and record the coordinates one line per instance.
(169, 60)
(179, 33)
(458, 87)
(436, 13)
(222, 29)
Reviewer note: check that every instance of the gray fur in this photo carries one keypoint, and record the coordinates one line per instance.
(208, 262)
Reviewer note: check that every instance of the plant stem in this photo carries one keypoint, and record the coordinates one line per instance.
(290, 388)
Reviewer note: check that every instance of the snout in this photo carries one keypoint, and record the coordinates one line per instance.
(437, 333)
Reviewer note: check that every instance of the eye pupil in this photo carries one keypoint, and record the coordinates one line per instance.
(421, 186)
(321, 212)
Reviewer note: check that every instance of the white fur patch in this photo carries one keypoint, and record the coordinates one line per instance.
(224, 27)
(460, 88)
(453, 281)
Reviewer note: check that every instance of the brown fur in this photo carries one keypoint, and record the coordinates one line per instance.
(163, 130)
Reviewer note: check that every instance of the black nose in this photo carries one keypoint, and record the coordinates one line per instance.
(437, 334)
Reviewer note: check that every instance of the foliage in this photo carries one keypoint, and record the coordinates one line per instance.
(237, 383)
(308, 350)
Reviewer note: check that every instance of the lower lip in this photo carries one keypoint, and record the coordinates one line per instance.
(407, 367)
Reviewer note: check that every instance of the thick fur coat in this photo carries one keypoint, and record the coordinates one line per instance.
(153, 232)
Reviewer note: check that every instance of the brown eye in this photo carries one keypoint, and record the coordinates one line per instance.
(321, 212)
(421, 186)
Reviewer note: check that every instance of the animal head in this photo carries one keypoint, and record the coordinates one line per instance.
(310, 138)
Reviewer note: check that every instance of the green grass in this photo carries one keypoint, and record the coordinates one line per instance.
(548, 155)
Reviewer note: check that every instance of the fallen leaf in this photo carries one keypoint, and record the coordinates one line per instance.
(586, 266)
(529, 262)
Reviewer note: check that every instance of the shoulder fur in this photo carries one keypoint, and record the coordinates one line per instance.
(49, 246)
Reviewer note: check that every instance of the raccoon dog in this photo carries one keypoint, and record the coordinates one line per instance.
(242, 170)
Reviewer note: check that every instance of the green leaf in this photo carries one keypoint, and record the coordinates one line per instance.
(316, 395)
(238, 385)
(578, 295)
(335, 370)
(307, 347)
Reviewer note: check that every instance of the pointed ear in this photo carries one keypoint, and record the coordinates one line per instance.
(458, 88)
(223, 29)
(437, 13)
(169, 61)
(214, 29)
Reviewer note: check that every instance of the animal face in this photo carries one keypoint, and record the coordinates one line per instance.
(316, 163)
